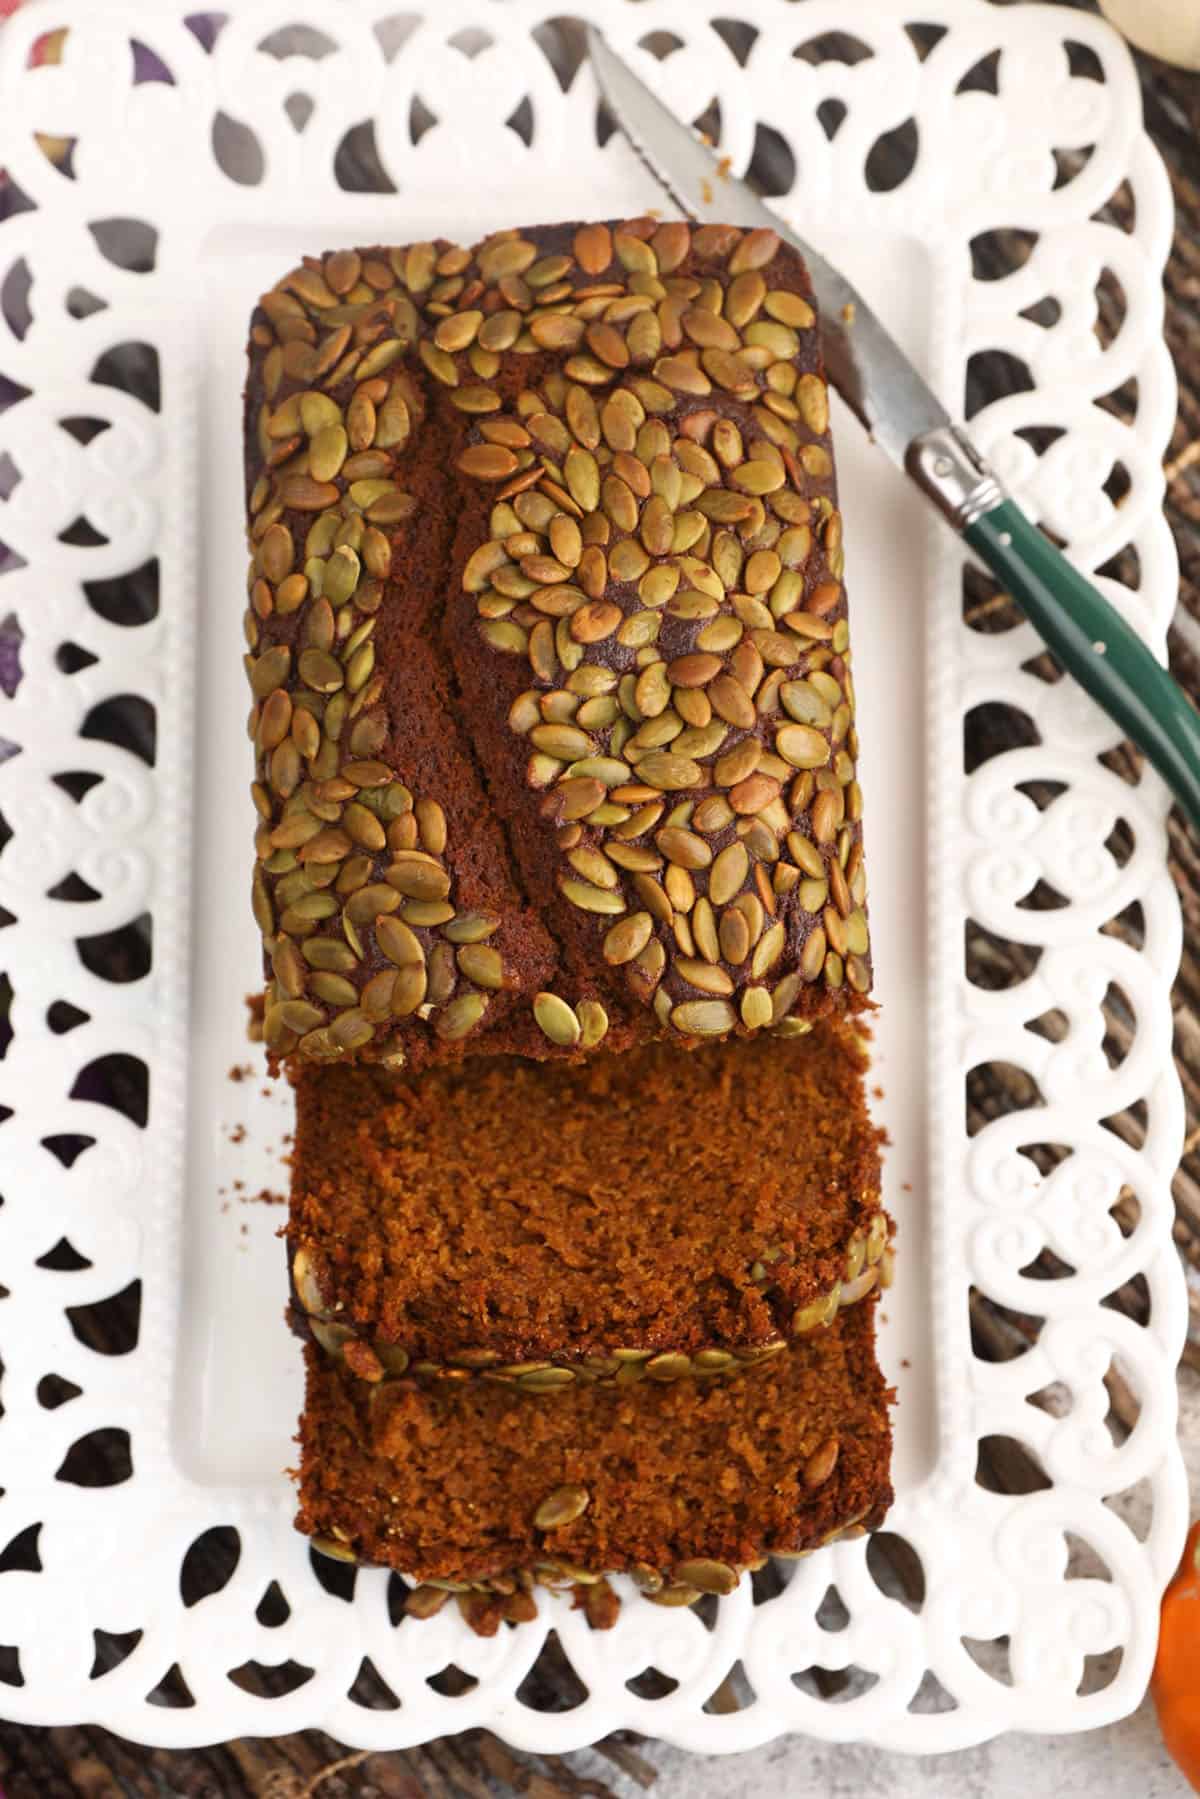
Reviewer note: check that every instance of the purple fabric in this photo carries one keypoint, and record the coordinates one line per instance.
(206, 25)
(10, 648)
(147, 66)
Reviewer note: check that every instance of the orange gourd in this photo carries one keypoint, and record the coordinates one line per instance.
(1175, 1683)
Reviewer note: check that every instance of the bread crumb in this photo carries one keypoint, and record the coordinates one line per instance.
(264, 1197)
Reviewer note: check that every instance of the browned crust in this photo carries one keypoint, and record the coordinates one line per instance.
(432, 710)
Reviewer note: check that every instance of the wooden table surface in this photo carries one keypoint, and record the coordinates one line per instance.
(49, 1764)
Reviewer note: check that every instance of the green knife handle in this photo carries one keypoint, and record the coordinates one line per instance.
(1096, 646)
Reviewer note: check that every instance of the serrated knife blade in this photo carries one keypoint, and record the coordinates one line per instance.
(863, 362)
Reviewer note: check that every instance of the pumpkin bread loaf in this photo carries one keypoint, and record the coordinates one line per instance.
(547, 645)
(560, 880)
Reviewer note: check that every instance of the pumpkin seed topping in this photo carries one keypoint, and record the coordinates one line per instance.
(664, 557)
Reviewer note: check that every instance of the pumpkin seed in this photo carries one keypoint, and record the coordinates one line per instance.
(398, 942)
(802, 745)
(703, 1017)
(556, 1020)
(628, 938)
(563, 1506)
(593, 1023)
(821, 1463)
(589, 898)
(707, 1576)
(456, 1020)
(481, 965)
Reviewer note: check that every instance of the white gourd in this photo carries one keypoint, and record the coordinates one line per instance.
(1169, 29)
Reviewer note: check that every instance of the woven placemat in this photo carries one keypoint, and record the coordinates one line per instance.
(51, 1764)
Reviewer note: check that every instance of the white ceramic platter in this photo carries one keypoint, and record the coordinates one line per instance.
(223, 164)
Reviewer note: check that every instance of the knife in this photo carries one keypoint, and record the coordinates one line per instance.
(885, 392)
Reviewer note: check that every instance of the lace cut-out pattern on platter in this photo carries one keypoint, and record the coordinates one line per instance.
(262, 119)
